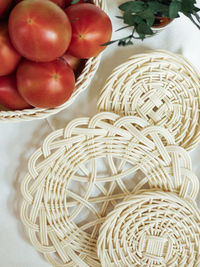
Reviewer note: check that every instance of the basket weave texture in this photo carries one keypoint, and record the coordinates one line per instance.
(160, 87)
(81, 172)
(82, 82)
(151, 228)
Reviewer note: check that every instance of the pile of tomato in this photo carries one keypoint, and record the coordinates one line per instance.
(43, 43)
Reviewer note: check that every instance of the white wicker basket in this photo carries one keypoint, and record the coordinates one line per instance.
(81, 172)
(160, 87)
(82, 83)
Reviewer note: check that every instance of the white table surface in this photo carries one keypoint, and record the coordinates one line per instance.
(19, 140)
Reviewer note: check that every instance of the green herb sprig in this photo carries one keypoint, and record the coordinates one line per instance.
(141, 16)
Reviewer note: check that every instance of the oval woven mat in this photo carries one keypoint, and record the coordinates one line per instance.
(151, 228)
(160, 87)
(81, 172)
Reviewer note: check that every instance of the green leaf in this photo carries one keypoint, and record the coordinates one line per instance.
(137, 19)
(188, 6)
(109, 43)
(119, 17)
(147, 14)
(122, 28)
(74, 2)
(128, 19)
(142, 35)
(122, 43)
(150, 21)
(132, 6)
(196, 9)
(143, 28)
(131, 20)
(157, 7)
(174, 8)
(125, 42)
(129, 42)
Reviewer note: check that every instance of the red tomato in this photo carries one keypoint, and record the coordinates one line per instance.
(39, 30)
(60, 3)
(9, 57)
(45, 85)
(71, 60)
(9, 96)
(4, 6)
(91, 28)
(75, 63)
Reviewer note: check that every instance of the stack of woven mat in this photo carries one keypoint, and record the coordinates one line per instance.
(118, 189)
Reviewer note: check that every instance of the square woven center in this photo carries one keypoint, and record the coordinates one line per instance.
(154, 104)
(156, 246)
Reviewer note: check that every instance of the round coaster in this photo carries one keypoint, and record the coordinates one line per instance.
(81, 172)
(160, 87)
(151, 228)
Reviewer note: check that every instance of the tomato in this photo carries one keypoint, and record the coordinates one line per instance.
(39, 30)
(4, 6)
(9, 57)
(45, 85)
(9, 96)
(75, 63)
(71, 60)
(60, 3)
(91, 28)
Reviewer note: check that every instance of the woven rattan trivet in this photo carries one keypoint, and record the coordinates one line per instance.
(152, 228)
(81, 172)
(160, 87)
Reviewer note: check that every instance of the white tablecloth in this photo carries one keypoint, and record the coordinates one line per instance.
(19, 140)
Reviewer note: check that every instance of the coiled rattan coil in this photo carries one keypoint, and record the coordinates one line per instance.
(152, 228)
(160, 87)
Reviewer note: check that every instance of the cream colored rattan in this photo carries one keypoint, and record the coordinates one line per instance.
(81, 172)
(152, 228)
(82, 83)
(160, 87)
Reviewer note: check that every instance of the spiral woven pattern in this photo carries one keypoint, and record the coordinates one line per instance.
(82, 82)
(160, 87)
(81, 172)
(152, 228)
